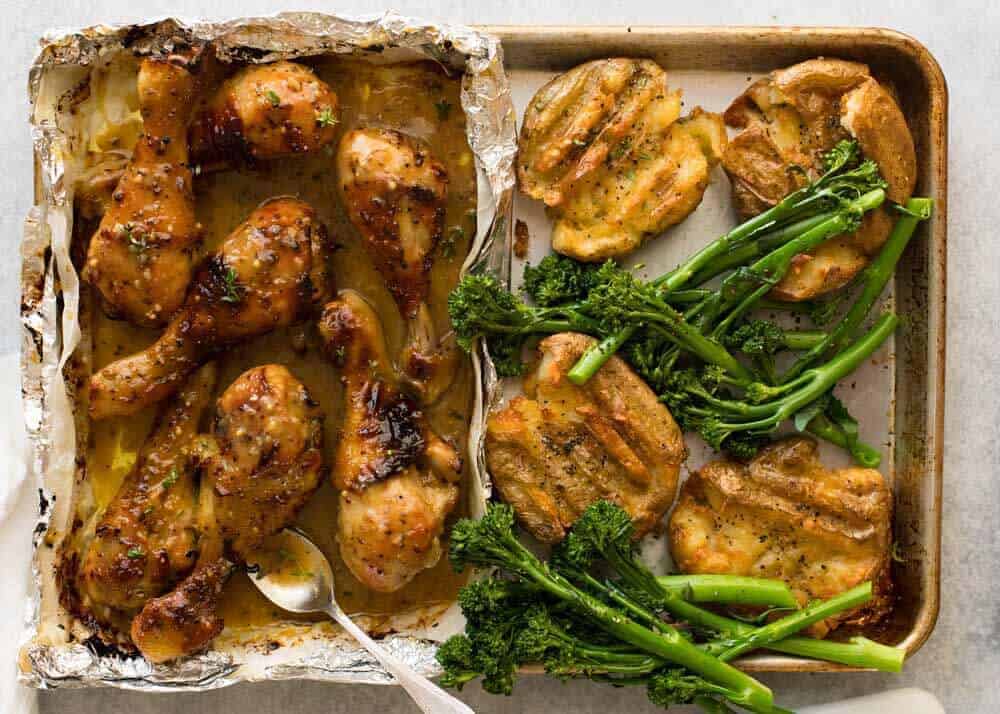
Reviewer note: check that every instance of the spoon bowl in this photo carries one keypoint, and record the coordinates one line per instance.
(295, 575)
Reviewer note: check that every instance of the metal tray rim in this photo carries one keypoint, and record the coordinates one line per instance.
(936, 182)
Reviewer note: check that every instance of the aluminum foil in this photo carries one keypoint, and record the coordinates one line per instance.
(54, 344)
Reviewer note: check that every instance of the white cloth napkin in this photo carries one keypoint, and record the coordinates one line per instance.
(18, 512)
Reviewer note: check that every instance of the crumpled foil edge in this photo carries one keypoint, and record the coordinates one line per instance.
(51, 331)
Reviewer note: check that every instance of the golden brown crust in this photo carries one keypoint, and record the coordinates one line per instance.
(141, 257)
(184, 620)
(262, 463)
(270, 272)
(562, 447)
(146, 539)
(398, 480)
(872, 116)
(784, 515)
(395, 192)
(787, 120)
(602, 146)
(266, 112)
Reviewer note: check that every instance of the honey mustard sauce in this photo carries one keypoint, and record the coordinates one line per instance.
(419, 100)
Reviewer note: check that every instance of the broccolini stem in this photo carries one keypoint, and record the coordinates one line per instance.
(875, 277)
(818, 380)
(686, 296)
(791, 624)
(741, 309)
(863, 453)
(730, 589)
(761, 246)
(858, 652)
(595, 357)
(776, 264)
(772, 266)
(668, 644)
(797, 340)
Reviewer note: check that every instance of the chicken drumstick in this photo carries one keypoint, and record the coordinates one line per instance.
(269, 273)
(395, 193)
(398, 480)
(261, 465)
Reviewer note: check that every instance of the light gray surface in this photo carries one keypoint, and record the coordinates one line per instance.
(961, 662)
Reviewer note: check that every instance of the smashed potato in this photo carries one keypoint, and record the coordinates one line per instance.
(786, 121)
(603, 146)
(784, 515)
(562, 447)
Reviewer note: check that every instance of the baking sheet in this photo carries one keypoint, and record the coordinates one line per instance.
(57, 340)
(906, 419)
(868, 394)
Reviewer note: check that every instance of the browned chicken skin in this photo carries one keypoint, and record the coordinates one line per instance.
(398, 480)
(270, 272)
(786, 121)
(562, 447)
(146, 539)
(784, 515)
(265, 112)
(261, 465)
(394, 192)
(140, 259)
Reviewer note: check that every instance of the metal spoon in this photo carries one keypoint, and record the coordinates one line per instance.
(301, 580)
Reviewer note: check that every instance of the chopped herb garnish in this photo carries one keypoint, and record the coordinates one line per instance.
(273, 97)
(299, 573)
(443, 109)
(234, 293)
(455, 234)
(623, 148)
(326, 117)
(136, 243)
(171, 478)
(644, 156)
(134, 553)
(147, 511)
(579, 142)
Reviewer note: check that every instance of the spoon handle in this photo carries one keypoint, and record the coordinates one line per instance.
(428, 696)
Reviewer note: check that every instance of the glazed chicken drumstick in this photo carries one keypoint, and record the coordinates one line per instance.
(140, 259)
(265, 112)
(261, 113)
(261, 465)
(394, 192)
(398, 480)
(269, 273)
(146, 539)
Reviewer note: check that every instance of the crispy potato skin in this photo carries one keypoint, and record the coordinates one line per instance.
(784, 515)
(786, 121)
(602, 146)
(562, 447)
